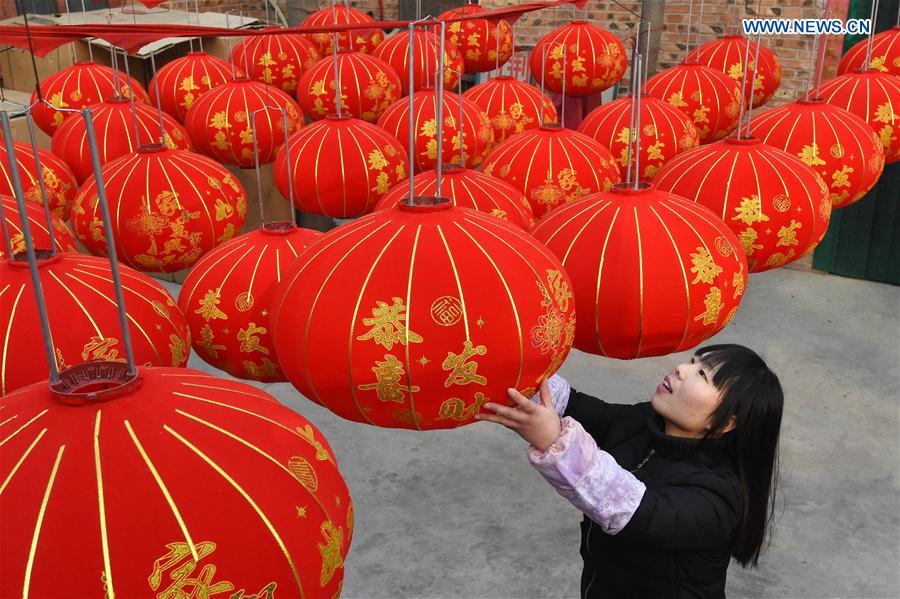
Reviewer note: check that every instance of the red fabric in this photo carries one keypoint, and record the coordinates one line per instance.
(59, 181)
(634, 259)
(114, 127)
(240, 275)
(184, 79)
(185, 459)
(777, 205)
(726, 54)
(77, 86)
(360, 40)
(37, 220)
(368, 86)
(470, 189)
(512, 105)
(595, 59)
(665, 131)
(840, 146)
(219, 121)
(84, 325)
(552, 165)
(426, 48)
(711, 99)
(340, 167)
(477, 39)
(885, 54)
(874, 97)
(277, 60)
(477, 134)
(171, 207)
(414, 317)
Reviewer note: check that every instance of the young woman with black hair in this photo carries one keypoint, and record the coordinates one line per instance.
(672, 488)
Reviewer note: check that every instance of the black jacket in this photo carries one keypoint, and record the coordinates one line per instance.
(678, 543)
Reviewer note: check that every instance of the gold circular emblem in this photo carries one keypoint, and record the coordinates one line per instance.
(446, 310)
(837, 150)
(781, 203)
(244, 301)
(723, 247)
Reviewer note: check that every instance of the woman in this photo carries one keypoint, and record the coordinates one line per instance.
(672, 488)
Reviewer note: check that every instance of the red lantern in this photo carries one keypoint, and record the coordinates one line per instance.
(84, 323)
(118, 133)
(477, 134)
(885, 54)
(594, 59)
(726, 54)
(184, 79)
(478, 40)
(777, 205)
(710, 98)
(665, 131)
(368, 86)
(39, 231)
(170, 207)
(469, 189)
(59, 181)
(359, 40)
(277, 60)
(228, 295)
(78, 86)
(426, 46)
(219, 121)
(875, 98)
(838, 145)
(512, 106)
(552, 165)
(170, 484)
(652, 272)
(340, 167)
(415, 316)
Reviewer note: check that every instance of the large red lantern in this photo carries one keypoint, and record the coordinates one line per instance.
(426, 47)
(84, 323)
(469, 189)
(777, 205)
(228, 295)
(665, 131)
(184, 79)
(171, 483)
(358, 40)
(37, 220)
(838, 145)
(512, 106)
(78, 86)
(885, 54)
(480, 42)
(219, 121)
(652, 272)
(170, 207)
(415, 316)
(875, 98)
(594, 59)
(709, 97)
(340, 167)
(553, 165)
(726, 54)
(118, 132)
(368, 86)
(59, 180)
(277, 60)
(473, 137)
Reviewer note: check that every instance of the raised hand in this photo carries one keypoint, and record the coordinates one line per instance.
(538, 424)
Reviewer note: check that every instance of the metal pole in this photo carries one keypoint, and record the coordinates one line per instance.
(637, 128)
(439, 110)
(262, 216)
(743, 84)
(562, 101)
(873, 18)
(543, 71)
(159, 111)
(88, 42)
(40, 176)
(337, 76)
(687, 40)
(412, 118)
(752, 86)
(134, 120)
(187, 10)
(287, 161)
(459, 123)
(200, 38)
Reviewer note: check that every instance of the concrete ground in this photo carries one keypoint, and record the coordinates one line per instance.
(462, 513)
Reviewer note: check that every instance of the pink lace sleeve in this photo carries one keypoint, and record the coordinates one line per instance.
(589, 478)
(559, 393)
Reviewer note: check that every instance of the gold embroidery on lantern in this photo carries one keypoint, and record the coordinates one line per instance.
(840, 178)
(750, 211)
(266, 369)
(654, 151)
(463, 372)
(810, 155)
(747, 237)
(388, 375)
(700, 115)
(884, 113)
(722, 246)
(455, 409)
(208, 306)
(557, 283)
(376, 160)
(100, 348)
(308, 434)
(704, 266)
(249, 339)
(735, 71)
(330, 550)
(788, 235)
(677, 100)
(713, 302)
(886, 136)
(176, 348)
(220, 120)
(778, 259)
(303, 471)
(180, 576)
(386, 326)
(738, 282)
(206, 338)
(446, 310)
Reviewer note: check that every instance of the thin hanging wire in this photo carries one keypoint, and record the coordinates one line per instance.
(87, 40)
(687, 35)
(410, 59)
(753, 85)
(69, 22)
(337, 76)
(459, 122)
(439, 109)
(159, 110)
(637, 126)
(543, 71)
(821, 61)
(699, 28)
(200, 38)
(187, 10)
(872, 19)
(631, 116)
(228, 47)
(812, 67)
(646, 63)
(287, 163)
(562, 100)
(244, 52)
(743, 86)
(134, 119)
(45, 200)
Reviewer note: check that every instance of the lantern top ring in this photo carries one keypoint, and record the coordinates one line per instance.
(94, 382)
(811, 100)
(338, 117)
(44, 257)
(743, 140)
(151, 148)
(425, 204)
(277, 227)
(628, 188)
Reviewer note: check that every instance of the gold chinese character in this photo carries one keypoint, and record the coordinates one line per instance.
(330, 550)
(463, 372)
(388, 374)
(249, 339)
(713, 304)
(455, 409)
(788, 235)
(750, 211)
(183, 586)
(208, 309)
(100, 348)
(810, 155)
(747, 237)
(704, 266)
(386, 326)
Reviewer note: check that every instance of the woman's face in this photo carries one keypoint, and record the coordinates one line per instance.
(686, 399)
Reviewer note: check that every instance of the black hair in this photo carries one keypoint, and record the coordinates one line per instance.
(751, 393)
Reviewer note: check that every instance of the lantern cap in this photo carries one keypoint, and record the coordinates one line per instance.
(628, 189)
(44, 258)
(555, 127)
(151, 148)
(117, 100)
(277, 227)
(579, 22)
(812, 100)
(452, 168)
(690, 62)
(338, 117)
(502, 78)
(94, 382)
(742, 141)
(425, 204)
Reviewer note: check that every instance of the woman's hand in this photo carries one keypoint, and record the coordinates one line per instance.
(536, 423)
